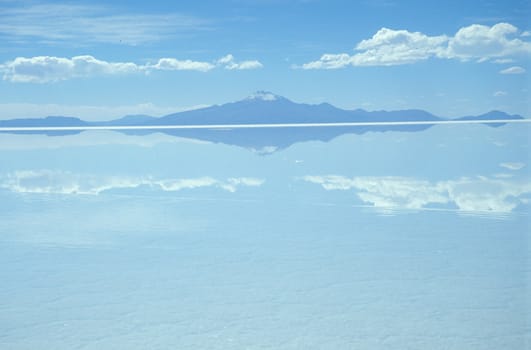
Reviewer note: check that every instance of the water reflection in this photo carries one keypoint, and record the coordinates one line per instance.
(479, 194)
(59, 182)
(366, 241)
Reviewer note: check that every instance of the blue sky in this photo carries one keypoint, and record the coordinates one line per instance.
(100, 60)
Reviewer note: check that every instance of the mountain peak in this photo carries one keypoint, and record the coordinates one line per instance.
(264, 96)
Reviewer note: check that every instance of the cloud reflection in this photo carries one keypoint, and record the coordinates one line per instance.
(479, 194)
(61, 182)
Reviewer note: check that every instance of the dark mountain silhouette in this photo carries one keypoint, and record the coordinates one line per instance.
(260, 108)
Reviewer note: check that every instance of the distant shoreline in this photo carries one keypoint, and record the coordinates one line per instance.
(258, 126)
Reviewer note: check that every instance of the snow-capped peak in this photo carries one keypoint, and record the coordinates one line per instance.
(264, 96)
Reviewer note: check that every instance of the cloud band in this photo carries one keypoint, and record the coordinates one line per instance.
(44, 69)
(59, 182)
(467, 194)
(390, 47)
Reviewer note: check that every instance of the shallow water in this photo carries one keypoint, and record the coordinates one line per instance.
(376, 241)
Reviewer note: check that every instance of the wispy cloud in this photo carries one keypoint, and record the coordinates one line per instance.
(512, 165)
(467, 194)
(389, 47)
(513, 70)
(503, 60)
(44, 69)
(59, 182)
(91, 24)
(499, 93)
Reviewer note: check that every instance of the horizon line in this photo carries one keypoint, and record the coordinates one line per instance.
(258, 126)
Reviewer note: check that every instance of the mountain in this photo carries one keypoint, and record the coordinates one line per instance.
(493, 115)
(43, 122)
(52, 121)
(128, 120)
(260, 108)
(265, 107)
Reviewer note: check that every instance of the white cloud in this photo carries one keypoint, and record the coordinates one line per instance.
(513, 70)
(244, 65)
(229, 63)
(263, 96)
(226, 59)
(60, 182)
(394, 47)
(43, 69)
(75, 24)
(47, 181)
(499, 93)
(512, 165)
(386, 191)
(330, 61)
(494, 195)
(232, 183)
(391, 47)
(180, 184)
(475, 195)
(480, 41)
(175, 64)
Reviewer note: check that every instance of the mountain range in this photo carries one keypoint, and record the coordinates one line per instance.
(260, 108)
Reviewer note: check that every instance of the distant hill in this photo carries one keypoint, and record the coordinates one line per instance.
(492, 115)
(260, 108)
(128, 120)
(43, 122)
(52, 121)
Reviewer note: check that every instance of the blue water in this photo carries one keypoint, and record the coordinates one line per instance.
(375, 241)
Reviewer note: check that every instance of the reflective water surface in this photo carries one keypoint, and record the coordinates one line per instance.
(380, 240)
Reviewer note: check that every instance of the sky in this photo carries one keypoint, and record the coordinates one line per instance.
(102, 60)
